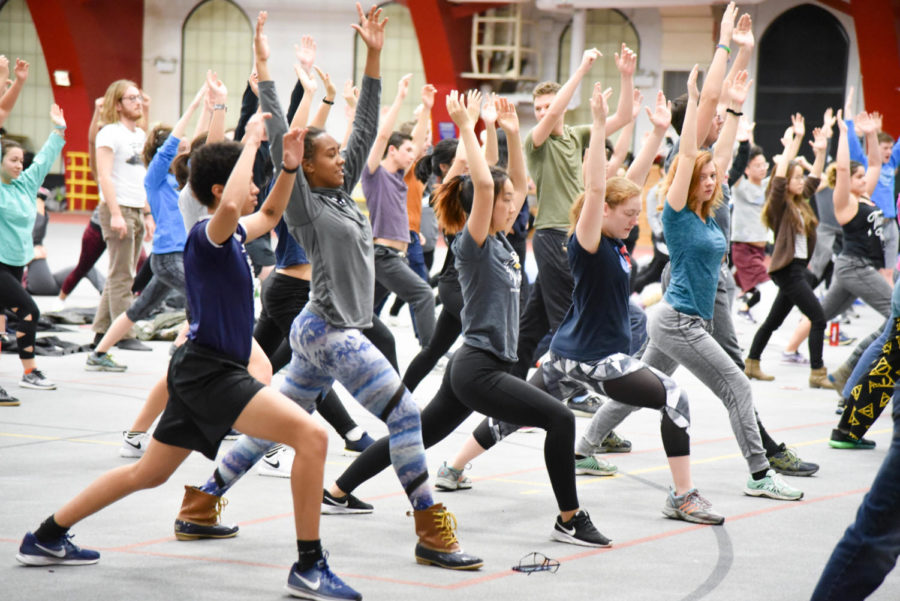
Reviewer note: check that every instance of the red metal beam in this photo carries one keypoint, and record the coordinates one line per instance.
(877, 40)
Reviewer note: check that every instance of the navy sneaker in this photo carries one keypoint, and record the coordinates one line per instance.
(62, 551)
(355, 447)
(319, 583)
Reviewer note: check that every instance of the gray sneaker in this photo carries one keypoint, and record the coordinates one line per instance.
(594, 466)
(103, 363)
(772, 487)
(691, 507)
(613, 443)
(449, 478)
(37, 380)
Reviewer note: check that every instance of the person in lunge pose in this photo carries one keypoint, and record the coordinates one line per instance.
(326, 340)
(478, 376)
(209, 387)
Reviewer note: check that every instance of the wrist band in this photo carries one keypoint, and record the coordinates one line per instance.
(326, 101)
(286, 170)
(734, 112)
(220, 107)
(724, 47)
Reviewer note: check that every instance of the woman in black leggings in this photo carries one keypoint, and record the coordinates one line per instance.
(478, 378)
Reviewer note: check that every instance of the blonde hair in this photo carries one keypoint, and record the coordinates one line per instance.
(545, 87)
(618, 190)
(704, 210)
(114, 94)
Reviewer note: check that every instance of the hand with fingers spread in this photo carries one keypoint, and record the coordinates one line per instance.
(819, 143)
(798, 125)
(428, 93)
(473, 104)
(292, 145)
(638, 103)
(370, 29)
(661, 117)
(828, 120)
(878, 119)
(743, 33)
(56, 116)
(306, 52)
(350, 94)
(456, 108)
(599, 103)
(626, 61)
(865, 124)
(403, 86)
(739, 88)
(489, 111)
(261, 40)
(330, 89)
(216, 92)
(507, 118)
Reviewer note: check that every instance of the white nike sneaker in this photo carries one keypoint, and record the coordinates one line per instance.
(277, 462)
(134, 444)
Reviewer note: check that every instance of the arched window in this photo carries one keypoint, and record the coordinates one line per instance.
(604, 30)
(29, 121)
(803, 57)
(400, 56)
(217, 35)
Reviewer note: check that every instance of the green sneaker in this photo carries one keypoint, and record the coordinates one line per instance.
(613, 443)
(842, 440)
(772, 487)
(594, 466)
(103, 362)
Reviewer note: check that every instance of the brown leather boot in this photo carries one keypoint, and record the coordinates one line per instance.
(754, 371)
(437, 544)
(199, 516)
(818, 378)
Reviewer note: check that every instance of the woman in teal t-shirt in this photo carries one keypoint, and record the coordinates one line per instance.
(18, 207)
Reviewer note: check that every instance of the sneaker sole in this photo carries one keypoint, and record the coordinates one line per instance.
(566, 538)
(36, 387)
(130, 453)
(795, 473)
(188, 537)
(447, 487)
(589, 472)
(314, 596)
(675, 514)
(267, 471)
(39, 560)
(9, 403)
(430, 562)
(338, 510)
(770, 495)
(836, 444)
(102, 368)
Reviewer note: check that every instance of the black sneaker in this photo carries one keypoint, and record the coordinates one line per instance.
(6, 400)
(132, 344)
(332, 505)
(579, 531)
(842, 440)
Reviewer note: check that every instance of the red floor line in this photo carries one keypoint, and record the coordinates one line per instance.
(132, 549)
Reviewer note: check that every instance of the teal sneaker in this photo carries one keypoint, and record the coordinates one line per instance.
(594, 466)
(772, 487)
(449, 478)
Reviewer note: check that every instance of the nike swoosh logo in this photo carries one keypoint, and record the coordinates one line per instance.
(570, 532)
(54, 552)
(275, 465)
(311, 585)
(344, 503)
(137, 446)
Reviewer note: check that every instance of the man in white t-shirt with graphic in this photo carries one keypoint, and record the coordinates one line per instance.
(124, 212)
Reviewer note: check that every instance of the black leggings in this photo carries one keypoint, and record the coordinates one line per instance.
(641, 388)
(446, 330)
(14, 297)
(485, 383)
(794, 288)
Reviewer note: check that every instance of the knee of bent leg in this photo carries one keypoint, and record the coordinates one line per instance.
(312, 442)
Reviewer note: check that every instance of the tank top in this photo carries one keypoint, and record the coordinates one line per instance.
(862, 235)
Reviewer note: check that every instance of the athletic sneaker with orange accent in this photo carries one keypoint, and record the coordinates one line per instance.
(691, 507)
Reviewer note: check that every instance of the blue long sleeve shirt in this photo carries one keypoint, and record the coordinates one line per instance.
(883, 196)
(18, 205)
(162, 194)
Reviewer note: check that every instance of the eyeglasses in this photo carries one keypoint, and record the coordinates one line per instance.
(133, 98)
(536, 562)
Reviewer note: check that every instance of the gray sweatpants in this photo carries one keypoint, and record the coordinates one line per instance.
(393, 274)
(855, 278)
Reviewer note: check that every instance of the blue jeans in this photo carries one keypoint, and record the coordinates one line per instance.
(870, 546)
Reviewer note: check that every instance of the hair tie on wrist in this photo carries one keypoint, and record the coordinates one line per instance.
(286, 170)
(724, 47)
(326, 101)
(734, 112)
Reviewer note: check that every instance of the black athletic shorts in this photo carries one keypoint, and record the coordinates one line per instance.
(207, 392)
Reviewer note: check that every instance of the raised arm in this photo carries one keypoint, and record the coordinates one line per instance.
(301, 117)
(742, 36)
(387, 125)
(489, 118)
(557, 108)
(181, 125)
(842, 169)
(371, 30)
(216, 96)
(509, 123)
(792, 139)
(623, 143)
(269, 214)
(626, 63)
(249, 104)
(589, 228)
(867, 126)
(661, 118)
(12, 94)
(420, 131)
(224, 221)
(324, 109)
(712, 84)
(819, 145)
(479, 222)
(737, 94)
(32, 177)
(676, 195)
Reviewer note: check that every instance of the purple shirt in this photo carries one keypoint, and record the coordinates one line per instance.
(385, 194)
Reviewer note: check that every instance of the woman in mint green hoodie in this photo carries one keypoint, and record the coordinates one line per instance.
(18, 197)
